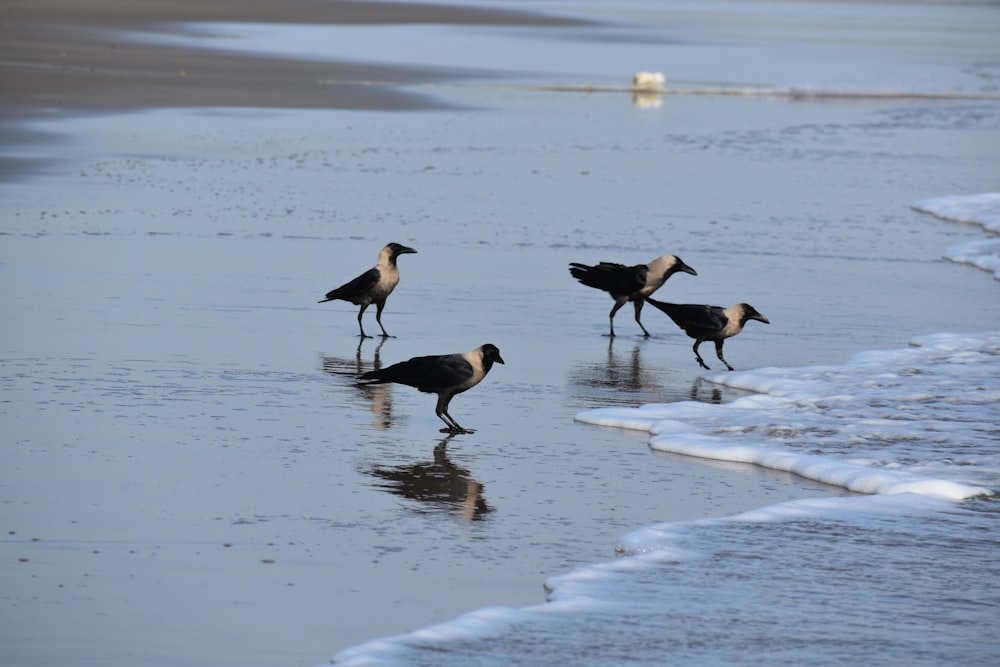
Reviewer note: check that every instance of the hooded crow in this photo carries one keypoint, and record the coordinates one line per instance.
(444, 375)
(373, 286)
(713, 323)
(629, 283)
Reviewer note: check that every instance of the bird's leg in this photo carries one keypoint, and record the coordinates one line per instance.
(442, 412)
(360, 326)
(611, 316)
(449, 428)
(638, 309)
(718, 353)
(701, 362)
(378, 318)
(453, 427)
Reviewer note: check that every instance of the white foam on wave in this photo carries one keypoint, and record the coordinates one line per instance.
(982, 209)
(394, 650)
(662, 541)
(981, 254)
(919, 420)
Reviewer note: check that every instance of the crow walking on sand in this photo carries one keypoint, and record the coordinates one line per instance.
(373, 286)
(444, 375)
(629, 283)
(713, 323)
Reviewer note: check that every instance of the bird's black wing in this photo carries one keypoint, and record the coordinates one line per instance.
(430, 374)
(617, 279)
(695, 319)
(698, 320)
(355, 288)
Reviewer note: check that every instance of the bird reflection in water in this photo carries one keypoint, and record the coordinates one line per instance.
(625, 378)
(439, 484)
(618, 379)
(705, 392)
(379, 396)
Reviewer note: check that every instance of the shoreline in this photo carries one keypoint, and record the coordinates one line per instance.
(199, 481)
(75, 57)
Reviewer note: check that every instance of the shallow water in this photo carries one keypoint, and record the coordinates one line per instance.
(820, 585)
(188, 458)
(907, 575)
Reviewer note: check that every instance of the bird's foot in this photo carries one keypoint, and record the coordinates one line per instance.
(703, 364)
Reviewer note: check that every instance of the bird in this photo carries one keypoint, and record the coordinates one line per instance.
(445, 375)
(629, 283)
(713, 323)
(373, 286)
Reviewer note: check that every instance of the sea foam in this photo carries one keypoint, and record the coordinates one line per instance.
(917, 420)
(982, 209)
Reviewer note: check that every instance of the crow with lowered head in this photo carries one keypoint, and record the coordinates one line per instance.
(445, 375)
(713, 323)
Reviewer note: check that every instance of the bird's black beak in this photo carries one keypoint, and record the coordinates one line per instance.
(404, 250)
(685, 268)
(499, 360)
(760, 318)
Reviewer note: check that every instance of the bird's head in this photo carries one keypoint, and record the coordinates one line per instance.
(397, 249)
(750, 313)
(668, 265)
(681, 266)
(491, 354)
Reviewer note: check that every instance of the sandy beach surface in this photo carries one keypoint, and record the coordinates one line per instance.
(73, 56)
(191, 475)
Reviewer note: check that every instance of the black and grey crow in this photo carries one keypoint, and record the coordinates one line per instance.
(713, 323)
(444, 375)
(629, 283)
(373, 286)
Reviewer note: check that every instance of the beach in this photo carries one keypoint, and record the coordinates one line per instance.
(192, 475)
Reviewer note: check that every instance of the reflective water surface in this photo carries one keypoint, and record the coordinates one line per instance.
(191, 474)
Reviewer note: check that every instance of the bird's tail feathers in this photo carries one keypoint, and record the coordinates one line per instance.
(587, 275)
(335, 294)
(661, 305)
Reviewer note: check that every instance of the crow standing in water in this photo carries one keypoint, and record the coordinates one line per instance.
(710, 323)
(629, 283)
(373, 286)
(444, 375)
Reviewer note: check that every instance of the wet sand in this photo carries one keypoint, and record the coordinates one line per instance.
(195, 479)
(72, 56)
